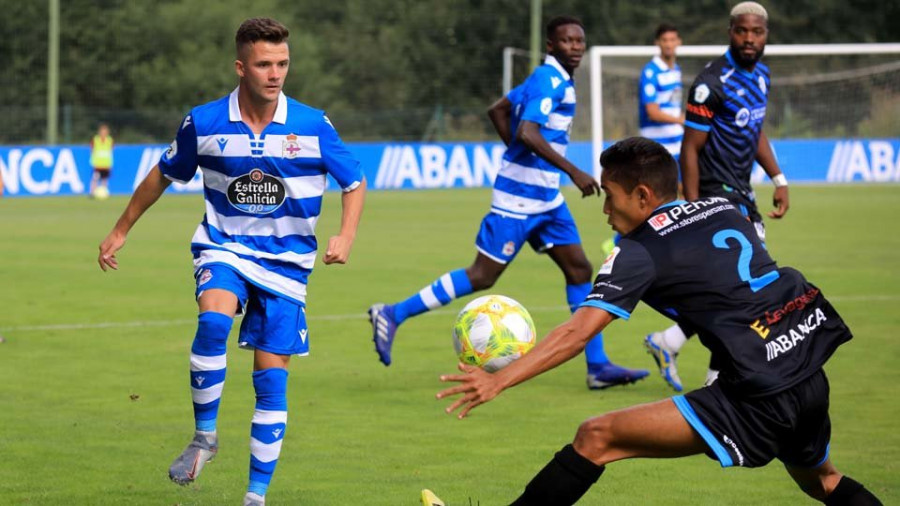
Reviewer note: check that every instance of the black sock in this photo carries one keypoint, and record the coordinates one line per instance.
(849, 492)
(562, 481)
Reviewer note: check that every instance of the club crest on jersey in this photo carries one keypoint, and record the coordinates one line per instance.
(762, 84)
(701, 93)
(742, 117)
(607, 266)
(290, 148)
(660, 221)
(256, 192)
(509, 248)
(173, 150)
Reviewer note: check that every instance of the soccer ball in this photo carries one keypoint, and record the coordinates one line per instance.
(101, 193)
(492, 331)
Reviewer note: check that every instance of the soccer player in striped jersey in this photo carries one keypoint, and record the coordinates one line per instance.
(534, 121)
(659, 111)
(264, 159)
(722, 140)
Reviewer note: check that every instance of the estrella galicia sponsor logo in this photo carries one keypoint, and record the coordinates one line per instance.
(795, 335)
(256, 192)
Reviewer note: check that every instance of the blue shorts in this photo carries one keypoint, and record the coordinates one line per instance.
(271, 323)
(502, 235)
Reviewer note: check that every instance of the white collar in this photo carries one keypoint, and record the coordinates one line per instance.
(553, 62)
(660, 63)
(234, 110)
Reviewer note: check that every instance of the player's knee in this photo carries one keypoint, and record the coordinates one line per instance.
(480, 278)
(594, 438)
(579, 273)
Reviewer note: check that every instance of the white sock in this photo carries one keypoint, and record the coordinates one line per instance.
(673, 338)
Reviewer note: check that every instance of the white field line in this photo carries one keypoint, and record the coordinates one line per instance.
(349, 316)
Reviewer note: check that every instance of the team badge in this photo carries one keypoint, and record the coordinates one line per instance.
(649, 90)
(256, 192)
(546, 105)
(701, 93)
(509, 248)
(204, 277)
(742, 117)
(762, 84)
(173, 150)
(290, 148)
(607, 266)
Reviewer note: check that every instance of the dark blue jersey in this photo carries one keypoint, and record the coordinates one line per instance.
(729, 103)
(703, 263)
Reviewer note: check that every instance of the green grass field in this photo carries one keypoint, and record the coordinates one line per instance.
(94, 397)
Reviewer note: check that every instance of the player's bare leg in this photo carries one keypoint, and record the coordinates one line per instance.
(577, 270)
(826, 484)
(654, 430)
(217, 308)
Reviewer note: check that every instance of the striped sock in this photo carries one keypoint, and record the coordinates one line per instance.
(208, 368)
(453, 285)
(267, 429)
(594, 352)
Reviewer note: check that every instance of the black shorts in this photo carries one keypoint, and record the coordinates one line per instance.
(792, 426)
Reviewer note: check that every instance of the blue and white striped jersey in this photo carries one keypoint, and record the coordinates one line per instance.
(661, 85)
(527, 184)
(263, 192)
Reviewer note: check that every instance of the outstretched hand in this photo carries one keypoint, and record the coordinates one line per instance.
(108, 248)
(478, 386)
(586, 183)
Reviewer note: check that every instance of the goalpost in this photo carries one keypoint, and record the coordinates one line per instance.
(818, 90)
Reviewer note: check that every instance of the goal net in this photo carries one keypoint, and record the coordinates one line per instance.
(818, 90)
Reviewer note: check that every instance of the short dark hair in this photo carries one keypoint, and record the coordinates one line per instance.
(664, 28)
(562, 21)
(637, 160)
(257, 29)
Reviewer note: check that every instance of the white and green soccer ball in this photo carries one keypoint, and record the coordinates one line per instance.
(492, 331)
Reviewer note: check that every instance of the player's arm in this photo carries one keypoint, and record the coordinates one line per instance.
(655, 113)
(691, 145)
(529, 134)
(560, 345)
(702, 105)
(338, 251)
(499, 113)
(767, 161)
(146, 194)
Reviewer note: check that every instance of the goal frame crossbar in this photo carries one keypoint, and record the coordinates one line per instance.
(597, 53)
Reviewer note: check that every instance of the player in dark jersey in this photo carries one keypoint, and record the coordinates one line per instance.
(723, 138)
(702, 262)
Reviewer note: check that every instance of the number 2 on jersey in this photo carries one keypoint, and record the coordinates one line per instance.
(720, 240)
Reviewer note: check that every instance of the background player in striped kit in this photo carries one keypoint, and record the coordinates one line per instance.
(534, 121)
(723, 138)
(659, 111)
(264, 159)
(772, 399)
